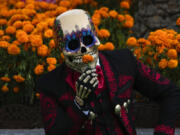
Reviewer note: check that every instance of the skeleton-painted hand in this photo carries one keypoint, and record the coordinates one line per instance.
(85, 84)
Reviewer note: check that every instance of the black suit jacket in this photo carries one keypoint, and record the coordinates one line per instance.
(123, 73)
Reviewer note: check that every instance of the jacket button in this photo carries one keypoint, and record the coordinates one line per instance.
(125, 106)
(117, 109)
(92, 115)
(128, 101)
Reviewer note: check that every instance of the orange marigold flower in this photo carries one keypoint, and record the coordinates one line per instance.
(39, 69)
(96, 21)
(132, 41)
(178, 21)
(35, 21)
(163, 63)
(42, 50)
(16, 42)
(16, 89)
(10, 30)
(20, 4)
(13, 49)
(28, 28)
(103, 33)
(5, 38)
(172, 63)
(22, 36)
(109, 46)
(4, 88)
(128, 24)
(65, 3)
(172, 53)
(137, 52)
(120, 18)
(178, 37)
(104, 14)
(87, 58)
(4, 44)
(5, 79)
(113, 13)
(178, 48)
(128, 17)
(60, 10)
(101, 47)
(174, 42)
(125, 5)
(51, 22)
(18, 78)
(52, 43)
(51, 60)
(3, 22)
(141, 40)
(18, 24)
(51, 67)
(48, 33)
(26, 22)
(36, 40)
(106, 9)
(30, 6)
(42, 26)
(5, 13)
(1, 33)
(38, 95)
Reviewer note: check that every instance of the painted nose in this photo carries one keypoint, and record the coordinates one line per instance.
(83, 49)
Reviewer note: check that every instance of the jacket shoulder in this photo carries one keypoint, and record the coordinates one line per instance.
(51, 81)
(120, 52)
(121, 56)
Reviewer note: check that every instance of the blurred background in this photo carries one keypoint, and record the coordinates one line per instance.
(149, 28)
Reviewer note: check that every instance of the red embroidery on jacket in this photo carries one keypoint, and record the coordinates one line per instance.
(152, 75)
(123, 80)
(66, 96)
(126, 121)
(49, 111)
(110, 76)
(165, 129)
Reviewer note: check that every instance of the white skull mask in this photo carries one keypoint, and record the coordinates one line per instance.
(75, 30)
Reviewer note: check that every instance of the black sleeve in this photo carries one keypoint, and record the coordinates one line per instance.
(160, 89)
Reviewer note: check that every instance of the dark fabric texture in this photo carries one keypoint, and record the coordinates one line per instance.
(122, 74)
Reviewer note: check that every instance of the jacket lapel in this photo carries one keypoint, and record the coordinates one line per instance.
(112, 85)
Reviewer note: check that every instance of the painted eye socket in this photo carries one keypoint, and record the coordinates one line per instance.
(88, 40)
(72, 45)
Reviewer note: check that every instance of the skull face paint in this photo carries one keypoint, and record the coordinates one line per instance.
(75, 34)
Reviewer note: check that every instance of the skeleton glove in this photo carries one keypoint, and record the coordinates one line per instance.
(85, 84)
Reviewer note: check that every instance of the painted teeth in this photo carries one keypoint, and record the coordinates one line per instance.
(77, 60)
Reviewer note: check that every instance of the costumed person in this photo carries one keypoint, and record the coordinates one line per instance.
(91, 92)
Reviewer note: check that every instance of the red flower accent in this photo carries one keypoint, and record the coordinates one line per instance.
(165, 129)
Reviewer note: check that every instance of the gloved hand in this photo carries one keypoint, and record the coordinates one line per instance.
(85, 84)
